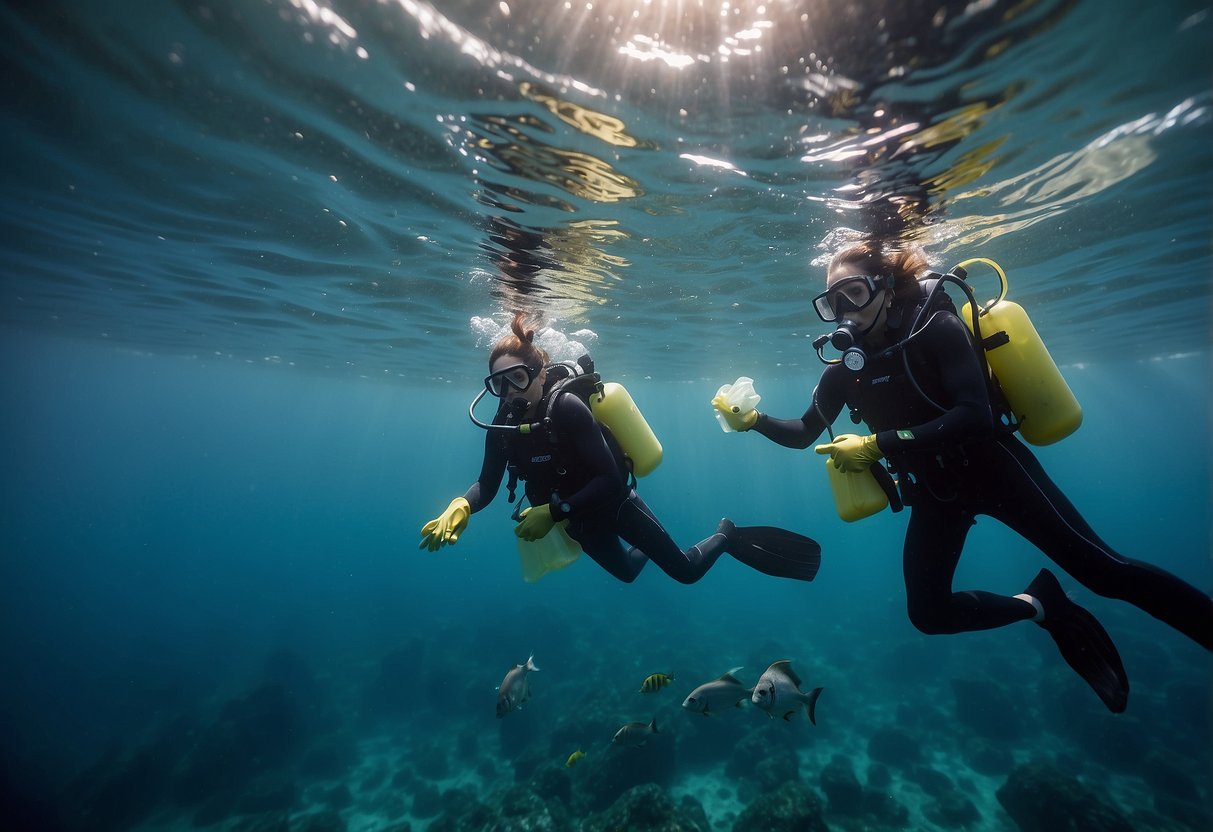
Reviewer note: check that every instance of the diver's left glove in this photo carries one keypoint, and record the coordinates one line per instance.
(446, 527)
(852, 454)
(536, 522)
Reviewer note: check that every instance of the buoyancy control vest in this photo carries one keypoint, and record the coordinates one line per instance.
(1027, 392)
(624, 428)
(900, 373)
(889, 376)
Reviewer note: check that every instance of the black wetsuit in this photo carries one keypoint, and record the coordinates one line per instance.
(956, 464)
(584, 470)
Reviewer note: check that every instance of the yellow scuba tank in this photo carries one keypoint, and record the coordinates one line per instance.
(614, 408)
(856, 496)
(555, 550)
(1043, 403)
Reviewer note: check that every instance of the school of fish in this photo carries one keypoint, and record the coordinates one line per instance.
(777, 692)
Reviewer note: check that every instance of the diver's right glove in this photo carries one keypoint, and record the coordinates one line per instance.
(537, 521)
(735, 405)
(850, 453)
(446, 527)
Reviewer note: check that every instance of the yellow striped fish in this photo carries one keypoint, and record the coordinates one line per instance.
(573, 758)
(655, 683)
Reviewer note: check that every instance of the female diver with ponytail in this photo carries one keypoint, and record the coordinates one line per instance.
(956, 461)
(581, 477)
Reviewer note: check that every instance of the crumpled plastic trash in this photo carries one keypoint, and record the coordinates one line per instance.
(741, 398)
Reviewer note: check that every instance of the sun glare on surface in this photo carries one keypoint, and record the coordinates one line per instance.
(681, 33)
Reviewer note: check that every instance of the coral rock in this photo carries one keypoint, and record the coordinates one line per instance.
(794, 807)
(1042, 798)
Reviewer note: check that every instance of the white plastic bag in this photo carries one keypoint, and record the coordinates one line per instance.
(740, 396)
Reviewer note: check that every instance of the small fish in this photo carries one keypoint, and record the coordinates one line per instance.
(714, 696)
(635, 734)
(515, 689)
(574, 758)
(654, 683)
(778, 692)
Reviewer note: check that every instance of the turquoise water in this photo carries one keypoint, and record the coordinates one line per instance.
(254, 252)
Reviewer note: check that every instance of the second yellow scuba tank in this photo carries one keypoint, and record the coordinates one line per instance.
(860, 494)
(856, 496)
(1043, 404)
(615, 408)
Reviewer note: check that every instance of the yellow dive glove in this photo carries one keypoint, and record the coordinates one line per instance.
(852, 454)
(446, 527)
(536, 522)
(731, 413)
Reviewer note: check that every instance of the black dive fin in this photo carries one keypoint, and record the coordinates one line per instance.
(775, 551)
(1083, 642)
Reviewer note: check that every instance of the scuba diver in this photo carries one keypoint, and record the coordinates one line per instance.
(574, 469)
(925, 393)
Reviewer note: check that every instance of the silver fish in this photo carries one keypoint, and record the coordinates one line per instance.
(515, 689)
(718, 694)
(778, 692)
(635, 734)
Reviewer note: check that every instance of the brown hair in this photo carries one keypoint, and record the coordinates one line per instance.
(520, 342)
(904, 264)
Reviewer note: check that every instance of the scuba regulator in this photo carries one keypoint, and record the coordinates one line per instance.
(846, 339)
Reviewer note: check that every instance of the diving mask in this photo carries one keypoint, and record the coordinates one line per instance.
(518, 376)
(849, 295)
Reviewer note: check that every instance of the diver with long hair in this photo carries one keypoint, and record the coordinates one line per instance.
(573, 469)
(922, 390)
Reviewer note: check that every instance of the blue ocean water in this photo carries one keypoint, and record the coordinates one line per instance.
(255, 252)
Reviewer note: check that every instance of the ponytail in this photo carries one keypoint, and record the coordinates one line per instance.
(520, 342)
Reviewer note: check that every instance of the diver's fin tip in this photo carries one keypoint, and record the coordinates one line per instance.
(776, 551)
(1083, 642)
